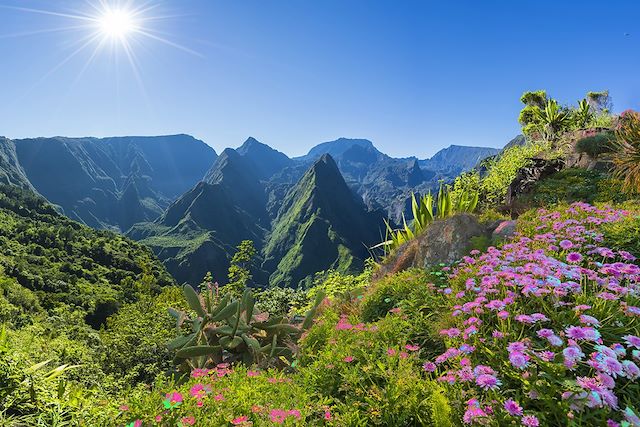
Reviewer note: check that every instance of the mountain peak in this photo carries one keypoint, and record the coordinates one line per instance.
(337, 148)
(267, 161)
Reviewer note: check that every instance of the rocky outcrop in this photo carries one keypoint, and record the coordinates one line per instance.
(445, 241)
(528, 176)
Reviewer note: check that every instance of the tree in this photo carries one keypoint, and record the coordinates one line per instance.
(600, 102)
(239, 270)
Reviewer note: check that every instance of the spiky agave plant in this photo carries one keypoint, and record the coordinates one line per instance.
(424, 214)
(583, 114)
(552, 118)
(626, 151)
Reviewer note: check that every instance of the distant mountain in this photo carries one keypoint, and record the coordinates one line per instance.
(192, 207)
(199, 233)
(110, 182)
(321, 224)
(336, 148)
(266, 160)
(11, 172)
(457, 158)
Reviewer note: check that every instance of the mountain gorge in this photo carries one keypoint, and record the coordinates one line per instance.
(192, 207)
(109, 183)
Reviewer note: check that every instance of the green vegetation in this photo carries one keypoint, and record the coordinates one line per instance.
(626, 155)
(227, 330)
(596, 145)
(59, 283)
(502, 170)
(424, 213)
(239, 273)
(572, 185)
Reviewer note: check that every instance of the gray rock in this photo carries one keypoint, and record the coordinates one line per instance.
(504, 231)
(445, 241)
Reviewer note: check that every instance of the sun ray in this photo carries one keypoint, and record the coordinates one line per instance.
(51, 13)
(168, 42)
(43, 31)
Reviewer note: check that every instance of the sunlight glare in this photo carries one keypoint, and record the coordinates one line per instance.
(117, 23)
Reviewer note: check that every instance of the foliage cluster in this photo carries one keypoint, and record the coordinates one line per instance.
(425, 210)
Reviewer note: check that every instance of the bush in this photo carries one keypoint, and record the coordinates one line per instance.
(502, 170)
(574, 184)
(596, 145)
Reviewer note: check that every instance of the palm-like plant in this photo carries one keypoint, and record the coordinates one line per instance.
(626, 152)
(583, 114)
(552, 119)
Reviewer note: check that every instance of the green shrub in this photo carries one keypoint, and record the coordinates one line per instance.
(624, 234)
(572, 185)
(502, 170)
(370, 370)
(596, 145)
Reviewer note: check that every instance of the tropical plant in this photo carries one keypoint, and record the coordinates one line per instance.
(424, 213)
(583, 115)
(552, 119)
(227, 330)
(626, 152)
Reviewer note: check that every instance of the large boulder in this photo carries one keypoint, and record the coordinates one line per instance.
(445, 241)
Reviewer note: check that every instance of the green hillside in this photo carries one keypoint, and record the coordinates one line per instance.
(321, 224)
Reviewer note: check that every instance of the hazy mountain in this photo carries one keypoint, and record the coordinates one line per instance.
(457, 158)
(112, 182)
(266, 160)
(10, 170)
(306, 214)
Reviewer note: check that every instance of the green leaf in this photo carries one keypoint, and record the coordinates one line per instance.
(197, 351)
(229, 310)
(193, 300)
(179, 342)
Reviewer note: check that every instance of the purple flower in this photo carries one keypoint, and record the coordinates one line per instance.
(512, 407)
(632, 341)
(530, 421)
(574, 257)
(519, 360)
(429, 366)
(488, 382)
(566, 244)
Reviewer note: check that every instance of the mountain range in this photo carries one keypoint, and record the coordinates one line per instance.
(193, 207)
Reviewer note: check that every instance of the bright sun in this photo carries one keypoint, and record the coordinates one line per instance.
(117, 23)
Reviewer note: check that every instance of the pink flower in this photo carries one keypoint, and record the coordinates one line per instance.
(348, 359)
(239, 420)
(253, 373)
(488, 382)
(574, 257)
(530, 421)
(412, 347)
(327, 415)
(124, 408)
(391, 352)
(512, 407)
(188, 421)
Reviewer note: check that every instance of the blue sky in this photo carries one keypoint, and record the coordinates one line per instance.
(412, 76)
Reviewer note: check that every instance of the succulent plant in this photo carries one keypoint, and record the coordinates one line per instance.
(228, 330)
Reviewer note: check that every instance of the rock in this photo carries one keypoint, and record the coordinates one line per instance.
(445, 241)
(504, 231)
(528, 176)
